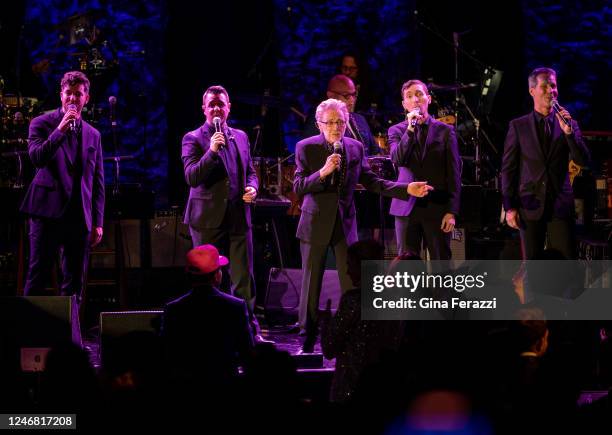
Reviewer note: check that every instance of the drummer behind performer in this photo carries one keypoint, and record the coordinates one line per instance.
(425, 150)
(342, 88)
(329, 166)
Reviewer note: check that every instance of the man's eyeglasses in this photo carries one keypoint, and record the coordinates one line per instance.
(345, 96)
(339, 123)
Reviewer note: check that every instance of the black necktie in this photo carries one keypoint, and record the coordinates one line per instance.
(342, 170)
(547, 131)
(420, 137)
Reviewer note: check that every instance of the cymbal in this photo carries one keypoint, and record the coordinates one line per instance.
(447, 88)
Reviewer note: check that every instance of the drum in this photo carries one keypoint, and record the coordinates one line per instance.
(446, 115)
(267, 174)
(383, 143)
(287, 189)
(383, 167)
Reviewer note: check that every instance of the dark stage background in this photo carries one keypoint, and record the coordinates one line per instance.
(157, 57)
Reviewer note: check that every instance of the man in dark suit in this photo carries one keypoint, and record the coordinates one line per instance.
(342, 88)
(425, 149)
(326, 180)
(223, 185)
(536, 190)
(206, 332)
(65, 201)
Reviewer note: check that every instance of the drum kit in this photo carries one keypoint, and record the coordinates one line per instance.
(16, 112)
(87, 52)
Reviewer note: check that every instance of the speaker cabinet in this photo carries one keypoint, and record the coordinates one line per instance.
(40, 321)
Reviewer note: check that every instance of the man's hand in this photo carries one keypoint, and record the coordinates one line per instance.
(217, 141)
(411, 116)
(512, 218)
(70, 115)
(331, 164)
(567, 129)
(249, 195)
(419, 188)
(448, 222)
(96, 236)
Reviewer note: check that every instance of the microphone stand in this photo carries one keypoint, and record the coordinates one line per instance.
(477, 151)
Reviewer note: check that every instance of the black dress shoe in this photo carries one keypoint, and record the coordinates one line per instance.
(309, 344)
(296, 329)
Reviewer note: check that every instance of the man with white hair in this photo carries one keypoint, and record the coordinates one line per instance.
(329, 166)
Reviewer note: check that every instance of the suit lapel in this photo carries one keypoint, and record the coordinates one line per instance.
(430, 129)
(534, 136)
(241, 151)
(206, 140)
(556, 135)
(66, 142)
(87, 143)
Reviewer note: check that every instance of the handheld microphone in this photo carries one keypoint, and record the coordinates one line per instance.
(413, 121)
(72, 122)
(217, 124)
(112, 101)
(337, 150)
(557, 108)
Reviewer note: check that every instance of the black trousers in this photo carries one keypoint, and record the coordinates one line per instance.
(313, 268)
(234, 240)
(554, 233)
(70, 238)
(411, 231)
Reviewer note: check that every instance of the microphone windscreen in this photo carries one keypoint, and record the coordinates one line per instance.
(217, 123)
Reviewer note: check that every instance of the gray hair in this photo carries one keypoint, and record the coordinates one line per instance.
(332, 103)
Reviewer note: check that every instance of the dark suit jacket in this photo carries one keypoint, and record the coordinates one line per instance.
(206, 174)
(322, 202)
(50, 191)
(206, 332)
(363, 130)
(440, 167)
(528, 174)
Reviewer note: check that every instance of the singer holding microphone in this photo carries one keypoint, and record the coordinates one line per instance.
(329, 166)
(536, 190)
(65, 202)
(425, 149)
(223, 185)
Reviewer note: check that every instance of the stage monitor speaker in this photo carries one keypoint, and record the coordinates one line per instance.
(40, 321)
(284, 288)
(116, 324)
(130, 233)
(458, 243)
(170, 239)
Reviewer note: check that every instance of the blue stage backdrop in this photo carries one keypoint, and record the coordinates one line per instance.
(575, 38)
(124, 57)
(314, 35)
(133, 43)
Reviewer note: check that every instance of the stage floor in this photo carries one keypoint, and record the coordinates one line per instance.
(284, 341)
